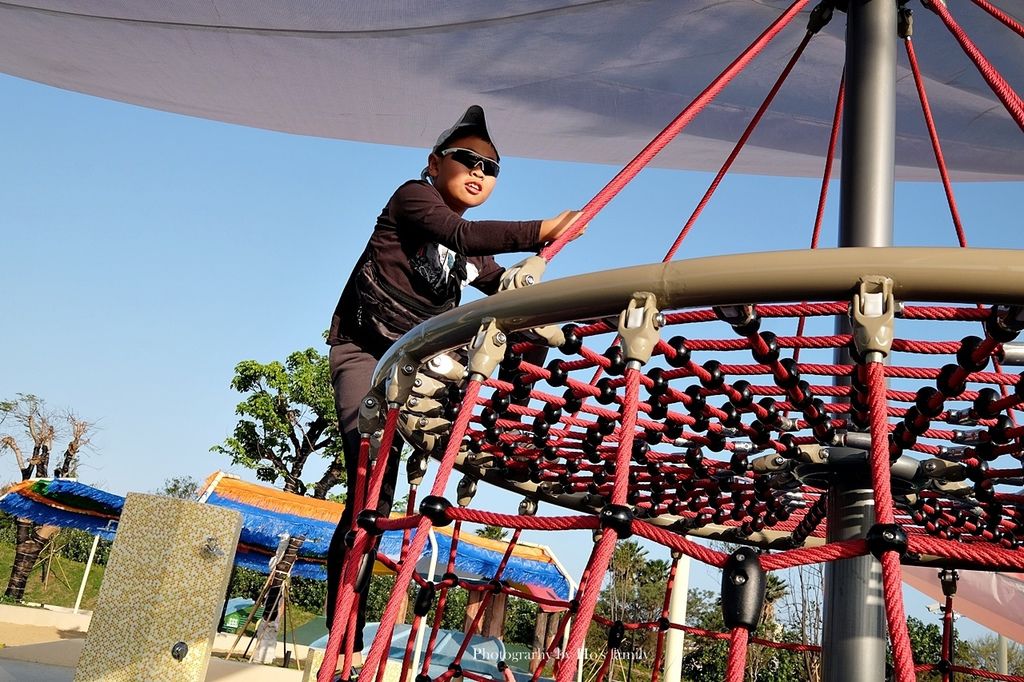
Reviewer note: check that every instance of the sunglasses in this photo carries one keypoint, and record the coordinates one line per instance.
(470, 159)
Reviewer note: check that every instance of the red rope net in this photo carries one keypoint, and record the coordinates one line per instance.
(724, 433)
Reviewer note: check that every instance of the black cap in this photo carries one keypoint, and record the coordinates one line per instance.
(471, 122)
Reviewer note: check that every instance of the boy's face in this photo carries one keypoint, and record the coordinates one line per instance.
(462, 187)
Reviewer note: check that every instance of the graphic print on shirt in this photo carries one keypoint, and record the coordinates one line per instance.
(444, 271)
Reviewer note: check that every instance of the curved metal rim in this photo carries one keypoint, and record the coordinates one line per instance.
(951, 275)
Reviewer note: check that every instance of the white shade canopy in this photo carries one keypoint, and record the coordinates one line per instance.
(582, 80)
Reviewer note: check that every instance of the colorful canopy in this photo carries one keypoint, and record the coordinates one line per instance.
(560, 79)
(268, 513)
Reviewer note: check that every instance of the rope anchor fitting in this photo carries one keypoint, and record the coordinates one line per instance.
(638, 327)
(871, 315)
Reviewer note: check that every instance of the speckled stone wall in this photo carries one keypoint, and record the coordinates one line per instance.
(164, 583)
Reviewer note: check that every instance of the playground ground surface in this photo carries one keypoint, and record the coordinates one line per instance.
(43, 645)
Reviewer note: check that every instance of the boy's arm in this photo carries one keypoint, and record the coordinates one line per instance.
(418, 207)
(489, 278)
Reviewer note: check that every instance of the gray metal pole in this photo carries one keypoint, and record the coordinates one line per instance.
(853, 636)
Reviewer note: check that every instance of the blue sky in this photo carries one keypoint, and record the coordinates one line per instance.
(146, 253)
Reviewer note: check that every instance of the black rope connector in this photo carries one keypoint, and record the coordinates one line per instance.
(502, 666)
(664, 624)
(948, 578)
(350, 539)
(607, 391)
(365, 571)
(820, 16)
(558, 374)
(619, 518)
(616, 633)
(772, 353)
(573, 342)
(424, 599)
(435, 508)
(451, 578)
(456, 669)
(573, 403)
(496, 586)
(1004, 323)
(423, 678)
(886, 537)
(367, 520)
(682, 353)
(965, 354)
(743, 587)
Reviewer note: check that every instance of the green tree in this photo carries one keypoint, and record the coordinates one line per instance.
(287, 415)
(180, 487)
(39, 428)
(492, 533)
(926, 645)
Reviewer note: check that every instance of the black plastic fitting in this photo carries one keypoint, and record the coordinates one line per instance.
(1004, 323)
(616, 633)
(619, 518)
(617, 360)
(743, 587)
(682, 356)
(772, 355)
(424, 599)
(820, 16)
(607, 391)
(573, 342)
(658, 385)
(367, 520)
(365, 571)
(944, 382)
(697, 400)
(965, 353)
(573, 403)
(716, 379)
(558, 374)
(435, 508)
(886, 537)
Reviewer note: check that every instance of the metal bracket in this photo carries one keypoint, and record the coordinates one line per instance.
(487, 349)
(526, 272)
(871, 315)
(638, 327)
(369, 413)
(399, 385)
(445, 366)
(423, 406)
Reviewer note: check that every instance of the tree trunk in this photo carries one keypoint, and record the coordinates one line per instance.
(31, 539)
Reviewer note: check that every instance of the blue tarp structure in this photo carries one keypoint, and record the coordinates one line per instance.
(269, 513)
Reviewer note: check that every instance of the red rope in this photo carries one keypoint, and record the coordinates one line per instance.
(1010, 99)
(738, 147)
(590, 589)
(671, 131)
(346, 594)
(895, 615)
(382, 641)
(1002, 16)
(936, 145)
(737, 662)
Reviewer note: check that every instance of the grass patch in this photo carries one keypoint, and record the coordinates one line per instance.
(63, 578)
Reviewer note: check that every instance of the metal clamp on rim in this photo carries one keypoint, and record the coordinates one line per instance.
(486, 350)
(872, 313)
(638, 328)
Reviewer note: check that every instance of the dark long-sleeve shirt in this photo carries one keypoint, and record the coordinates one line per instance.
(417, 249)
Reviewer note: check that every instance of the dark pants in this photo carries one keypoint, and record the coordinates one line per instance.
(351, 372)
